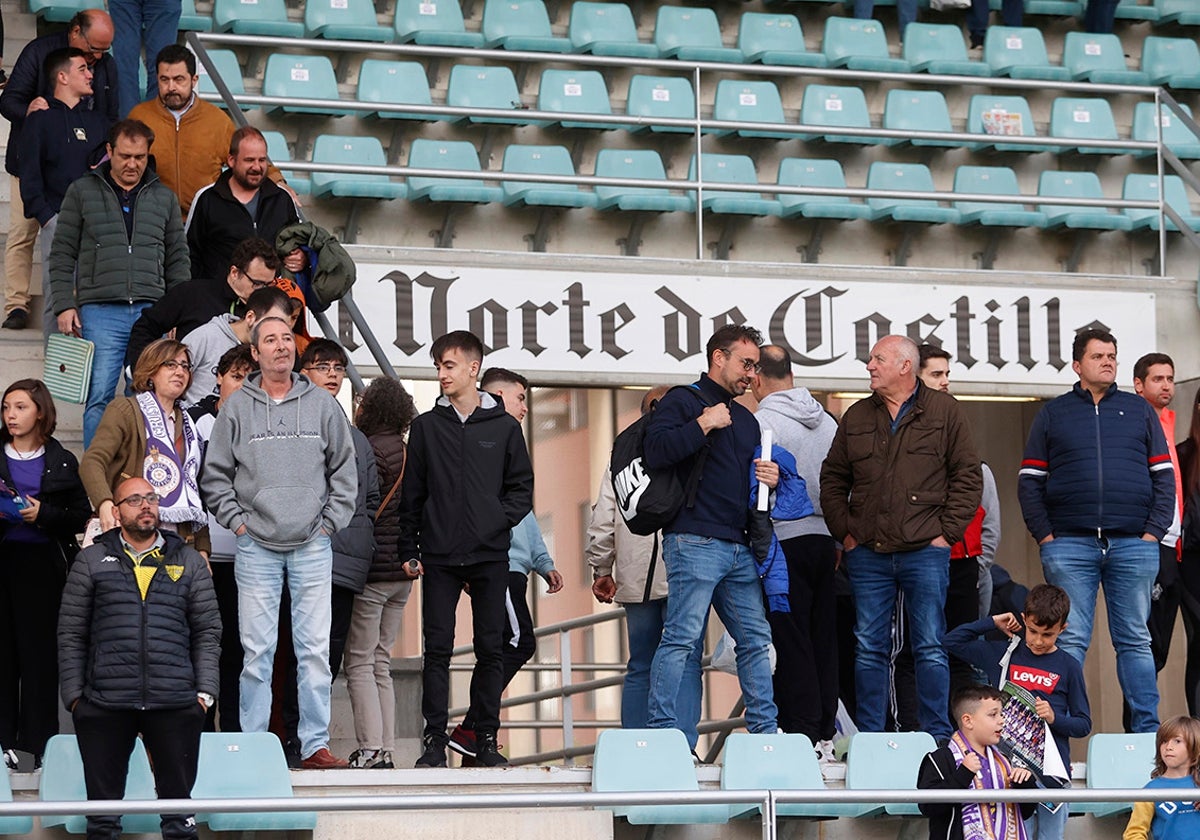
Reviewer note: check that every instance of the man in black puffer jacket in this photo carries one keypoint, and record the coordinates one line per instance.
(139, 637)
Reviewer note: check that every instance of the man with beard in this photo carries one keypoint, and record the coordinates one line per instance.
(241, 203)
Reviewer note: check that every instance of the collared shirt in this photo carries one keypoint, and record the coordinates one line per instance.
(905, 407)
(144, 574)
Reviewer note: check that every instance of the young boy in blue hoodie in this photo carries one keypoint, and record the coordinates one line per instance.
(1052, 676)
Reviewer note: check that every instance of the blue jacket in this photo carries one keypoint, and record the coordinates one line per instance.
(1092, 467)
(527, 551)
(58, 145)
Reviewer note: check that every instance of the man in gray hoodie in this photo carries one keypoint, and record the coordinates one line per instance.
(280, 473)
(806, 674)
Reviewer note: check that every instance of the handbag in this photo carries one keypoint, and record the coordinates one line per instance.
(68, 367)
(395, 486)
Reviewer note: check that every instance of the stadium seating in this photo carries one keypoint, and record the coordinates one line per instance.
(277, 150)
(691, 35)
(780, 763)
(433, 25)
(472, 86)
(637, 760)
(1145, 188)
(230, 72)
(999, 116)
(749, 101)
(62, 781)
(635, 163)
(12, 825)
(302, 77)
(992, 180)
(394, 83)
(836, 106)
(236, 765)
(1174, 62)
(263, 17)
(1078, 118)
(1116, 761)
(827, 174)
(576, 91)
(348, 20)
(1049, 8)
(542, 160)
(732, 169)
(1020, 52)
(460, 155)
(357, 150)
(916, 111)
(887, 761)
(912, 177)
(661, 97)
(189, 21)
(775, 39)
(1079, 217)
(939, 48)
(1100, 59)
(606, 29)
(61, 11)
(1184, 12)
(1177, 136)
(859, 45)
(1133, 10)
(520, 25)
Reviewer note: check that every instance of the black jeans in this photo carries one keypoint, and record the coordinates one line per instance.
(441, 587)
(518, 627)
(172, 739)
(230, 666)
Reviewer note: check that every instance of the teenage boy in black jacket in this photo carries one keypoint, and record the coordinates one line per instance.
(468, 482)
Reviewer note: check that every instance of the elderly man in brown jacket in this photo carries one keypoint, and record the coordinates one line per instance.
(899, 486)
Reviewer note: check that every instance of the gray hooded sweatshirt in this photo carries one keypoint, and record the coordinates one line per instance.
(802, 427)
(283, 469)
(206, 344)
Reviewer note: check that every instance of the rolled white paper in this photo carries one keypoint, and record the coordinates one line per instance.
(763, 490)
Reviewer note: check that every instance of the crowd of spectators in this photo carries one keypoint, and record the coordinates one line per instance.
(1098, 15)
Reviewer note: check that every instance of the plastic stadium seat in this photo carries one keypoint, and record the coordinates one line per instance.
(835, 106)
(433, 23)
(914, 111)
(1002, 116)
(940, 48)
(635, 163)
(1174, 62)
(448, 154)
(606, 29)
(1056, 8)
(1133, 10)
(775, 39)
(1177, 136)
(261, 17)
(636, 760)
(914, 177)
(277, 150)
(1100, 59)
(303, 77)
(992, 180)
(347, 20)
(859, 45)
(1145, 188)
(1078, 185)
(1074, 118)
(520, 25)
(1020, 52)
(12, 825)
(1116, 761)
(887, 760)
(230, 72)
(802, 172)
(657, 97)
(394, 83)
(742, 101)
(691, 35)
(62, 781)
(472, 86)
(364, 151)
(1184, 12)
(542, 160)
(733, 169)
(575, 92)
(61, 11)
(780, 763)
(189, 21)
(237, 765)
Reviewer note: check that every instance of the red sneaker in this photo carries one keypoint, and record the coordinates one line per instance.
(462, 741)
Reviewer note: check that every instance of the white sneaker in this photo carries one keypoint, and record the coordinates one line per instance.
(10, 760)
(825, 752)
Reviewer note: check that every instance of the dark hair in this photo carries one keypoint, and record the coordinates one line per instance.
(237, 356)
(1187, 728)
(499, 374)
(258, 325)
(176, 54)
(323, 350)
(466, 342)
(774, 362)
(1141, 368)
(967, 699)
(153, 357)
(59, 61)
(40, 394)
(235, 141)
(262, 301)
(729, 335)
(132, 129)
(254, 248)
(1079, 346)
(930, 351)
(1047, 605)
(385, 407)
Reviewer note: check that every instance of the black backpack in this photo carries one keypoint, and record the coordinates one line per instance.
(649, 499)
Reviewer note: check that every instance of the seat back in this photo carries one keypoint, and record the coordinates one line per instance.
(986, 180)
(302, 76)
(318, 14)
(653, 97)
(727, 169)
(1119, 760)
(347, 149)
(1163, 58)
(1069, 185)
(394, 83)
(914, 177)
(926, 42)
(809, 172)
(536, 160)
(442, 154)
(847, 38)
(227, 13)
(1006, 47)
(1084, 52)
(62, 781)
(432, 23)
(1175, 134)
(277, 150)
(769, 762)
(231, 74)
(12, 825)
(629, 163)
(639, 760)
(504, 19)
(1145, 188)
(484, 87)
(574, 91)
(886, 760)
(1082, 119)
(747, 101)
(760, 33)
(592, 23)
(835, 105)
(237, 765)
(916, 110)
(678, 26)
(999, 116)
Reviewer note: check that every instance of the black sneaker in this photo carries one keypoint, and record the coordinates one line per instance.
(487, 752)
(435, 753)
(18, 319)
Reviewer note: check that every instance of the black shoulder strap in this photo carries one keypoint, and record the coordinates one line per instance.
(650, 571)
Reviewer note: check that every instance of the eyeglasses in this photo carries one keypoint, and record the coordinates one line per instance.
(140, 499)
(257, 284)
(328, 368)
(92, 48)
(747, 365)
(172, 364)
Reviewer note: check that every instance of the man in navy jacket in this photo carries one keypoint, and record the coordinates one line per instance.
(1097, 491)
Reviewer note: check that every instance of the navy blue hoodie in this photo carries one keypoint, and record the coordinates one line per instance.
(58, 145)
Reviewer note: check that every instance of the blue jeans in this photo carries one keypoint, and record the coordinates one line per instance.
(923, 575)
(260, 574)
(106, 325)
(1126, 567)
(704, 572)
(906, 12)
(154, 23)
(1045, 824)
(644, 627)
(1012, 13)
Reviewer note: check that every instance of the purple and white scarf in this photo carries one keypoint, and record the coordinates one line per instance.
(172, 475)
(988, 820)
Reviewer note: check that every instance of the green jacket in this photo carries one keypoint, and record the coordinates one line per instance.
(334, 272)
(94, 260)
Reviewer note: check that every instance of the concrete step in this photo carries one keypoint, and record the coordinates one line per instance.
(22, 357)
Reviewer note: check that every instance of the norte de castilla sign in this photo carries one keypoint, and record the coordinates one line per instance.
(575, 327)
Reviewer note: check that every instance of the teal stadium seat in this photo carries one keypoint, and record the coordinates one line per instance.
(775, 39)
(448, 154)
(277, 150)
(999, 116)
(1183, 12)
(1136, 10)
(691, 35)
(992, 180)
(635, 163)
(347, 150)
(749, 101)
(661, 97)
(261, 17)
(1100, 59)
(473, 86)
(1077, 217)
(576, 91)
(1020, 52)
(240, 765)
(345, 20)
(12, 825)
(231, 74)
(606, 29)
(915, 111)
(62, 781)
(733, 169)
(1116, 761)
(913, 177)
(939, 48)
(804, 172)
(888, 760)
(1076, 118)
(189, 21)
(520, 25)
(1177, 136)
(433, 23)
(1048, 8)
(836, 106)
(1145, 188)
(640, 760)
(542, 160)
(1174, 62)
(61, 11)
(302, 77)
(859, 45)
(394, 83)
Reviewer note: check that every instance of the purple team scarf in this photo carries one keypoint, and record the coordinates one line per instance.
(172, 476)
(988, 820)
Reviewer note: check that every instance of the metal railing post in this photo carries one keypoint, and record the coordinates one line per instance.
(567, 702)
(699, 169)
(1162, 184)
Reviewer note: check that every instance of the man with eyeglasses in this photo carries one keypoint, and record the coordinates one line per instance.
(899, 486)
(706, 548)
(138, 644)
